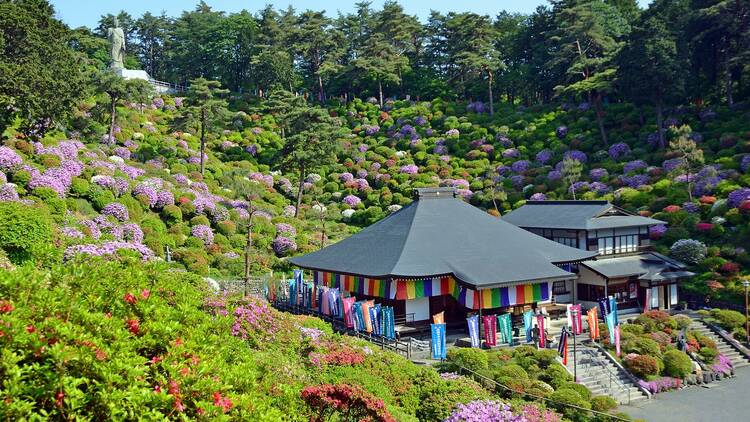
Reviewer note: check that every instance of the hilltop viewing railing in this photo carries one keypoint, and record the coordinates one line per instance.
(167, 85)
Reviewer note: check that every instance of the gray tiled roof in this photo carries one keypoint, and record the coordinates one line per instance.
(575, 215)
(441, 235)
(646, 266)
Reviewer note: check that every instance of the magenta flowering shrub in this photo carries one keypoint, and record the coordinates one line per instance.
(484, 411)
(8, 192)
(107, 249)
(410, 169)
(285, 229)
(283, 246)
(147, 191)
(254, 321)
(538, 197)
(352, 201)
(204, 233)
(9, 159)
(128, 233)
(116, 210)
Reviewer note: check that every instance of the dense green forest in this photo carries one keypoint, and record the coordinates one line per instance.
(297, 129)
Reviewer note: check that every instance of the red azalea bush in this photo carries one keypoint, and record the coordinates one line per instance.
(343, 355)
(672, 208)
(349, 403)
(642, 366)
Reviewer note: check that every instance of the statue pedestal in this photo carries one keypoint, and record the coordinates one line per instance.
(132, 74)
(159, 87)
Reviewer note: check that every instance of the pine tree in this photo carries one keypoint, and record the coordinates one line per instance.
(206, 105)
(589, 36)
(117, 88)
(690, 156)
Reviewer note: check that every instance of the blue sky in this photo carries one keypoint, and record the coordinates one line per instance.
(87, 12)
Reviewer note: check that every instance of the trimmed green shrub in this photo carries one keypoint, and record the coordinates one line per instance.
(511, 370)
(603, 403)
(555, 375)
(25, 231)
(728, 319)
(469, 358)
(578, 388)
(677, 364)
(563, 397)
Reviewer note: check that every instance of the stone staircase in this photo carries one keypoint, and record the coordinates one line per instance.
(603, 377)
(738, 359)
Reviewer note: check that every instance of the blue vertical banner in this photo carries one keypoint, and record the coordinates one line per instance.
(473, 322)
(613, 309)
(604, 307)
(292, 292)
(528, 325)
(610, 318)
(299, 276)
(438, 341)
(389, 326)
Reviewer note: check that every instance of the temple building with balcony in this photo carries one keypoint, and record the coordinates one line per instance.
(626, 267)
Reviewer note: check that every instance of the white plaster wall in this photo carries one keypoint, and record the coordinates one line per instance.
(420, 307)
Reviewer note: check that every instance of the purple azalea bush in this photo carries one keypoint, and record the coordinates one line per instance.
(283, 246)
(543, 156)
(204, 233)
(116, 210)
(484, 411)
(352, 201)
(9, 159)
(619, 151)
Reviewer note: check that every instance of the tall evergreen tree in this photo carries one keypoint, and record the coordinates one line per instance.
(35, 54)
(205, 106)
(651, 69)
(316, 42)
(589, 36)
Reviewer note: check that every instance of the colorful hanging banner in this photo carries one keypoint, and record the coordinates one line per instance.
(375, 318)
(347, 304)
(366, 305)
(528, 325)
(613, 309)
(604, 307)
(436, 286)
(473, 322)
(562, 347)
(593, 321)
(576, 320)
(617, 340)
(438, 318)
(490, 330)
(542, 337)
(611, 327)
(389, 325)
(438, 340)
(506, 328)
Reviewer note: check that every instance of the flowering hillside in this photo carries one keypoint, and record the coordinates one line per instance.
(143, 191)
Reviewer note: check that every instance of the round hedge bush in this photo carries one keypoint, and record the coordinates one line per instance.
(469, 358)
(24, 231)
(642, 366)
(603, 403)
(581, 389)
(677, 364)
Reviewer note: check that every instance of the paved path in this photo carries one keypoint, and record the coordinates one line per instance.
(727, 401)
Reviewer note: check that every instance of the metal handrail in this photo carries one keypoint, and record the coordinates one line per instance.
(485, 379)
(612, 376)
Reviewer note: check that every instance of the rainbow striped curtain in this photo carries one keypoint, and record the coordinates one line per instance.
(501, 297)
(437, 286)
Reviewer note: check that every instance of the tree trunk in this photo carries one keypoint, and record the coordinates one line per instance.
(203, 139)
(660, 123)
(321, 96)
(689, 186)
(600, 117)
(299, 191)
(573, 190)
(489, 92)
(728, 81)
(380, 89)
(113, 113)
(248, 248)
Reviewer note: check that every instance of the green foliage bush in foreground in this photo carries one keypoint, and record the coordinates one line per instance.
(125, 340)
